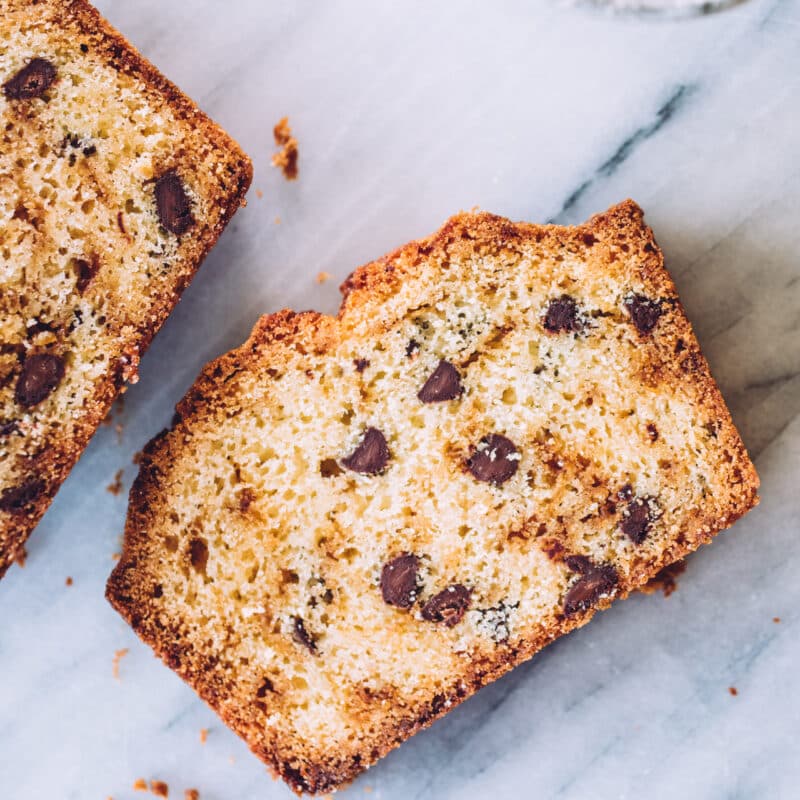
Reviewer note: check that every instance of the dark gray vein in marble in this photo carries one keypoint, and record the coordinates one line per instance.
(665, 113)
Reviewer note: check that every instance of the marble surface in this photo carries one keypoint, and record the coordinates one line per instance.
(406, 113)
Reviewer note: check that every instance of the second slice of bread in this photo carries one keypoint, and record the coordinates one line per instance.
(357, 522)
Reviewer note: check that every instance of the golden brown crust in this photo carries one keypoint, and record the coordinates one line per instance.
(367, 292)
(52, 466)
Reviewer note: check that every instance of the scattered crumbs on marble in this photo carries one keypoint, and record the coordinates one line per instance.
(21, 557)
(118, 656)
(666, 579)
(259, 193)
(776, 620)
(203, 735)
(191, 794)
(159, 788)
(116, 556)
(277, 220)
(286, 158)
(119, 429)
(323, 276)
(367, 789)
(140, 785)
(68, 581)
(733, 690)
(115, 487)
(231, 760)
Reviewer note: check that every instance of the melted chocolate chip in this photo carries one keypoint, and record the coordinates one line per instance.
(652, 432)
(33, 80)
(86, 272)
(360, 364)
(302, 636)
(637, 520)
(562, 315)
(371, 455)
(7, 428)
(449, 606)
(412, 347)
(41, 374)
(198, 555)
(18, 498)
(644, 312)
(589, 588)
(494, 460)
(579, 564)
(444, 383)
(172, 202)
(399, 580)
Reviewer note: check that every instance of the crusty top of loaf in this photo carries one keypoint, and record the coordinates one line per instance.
(113, 186)
(356, 522)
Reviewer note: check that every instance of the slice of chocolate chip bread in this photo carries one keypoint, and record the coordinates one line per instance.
(113, 186)
(355, 523)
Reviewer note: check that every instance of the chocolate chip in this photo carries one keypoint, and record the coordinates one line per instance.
(444, 383)
(266, 686)
(33, 80)
(18, 498)
(328, 468)
(90, 150)
(84, 48)
(625, 492)
(589, 588)
(41, 374)
(652, 432)
(637, 519)
(562, 315)
(302, 636)
(449, 606)
(7, 428)
(399, 580)
(198, 555)
(86, 272)
(172, 202)
(412, 347)
(360, 364)
(371, 455)
(579, 564)
(644, 312)
(494, 460)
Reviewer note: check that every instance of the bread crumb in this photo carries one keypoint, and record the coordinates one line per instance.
(231, 760)
(259, 193)
(68, 581)
(118, 656)
(203, 735)
(116, 486)
(159, 788)
(116, 556)
(191, 794)
(22, 556)
(733, 690)
(666, 579)
(140, 785)
(323, 276)
(776, 620)
(367, 789)
(277, 220)
(286, 158)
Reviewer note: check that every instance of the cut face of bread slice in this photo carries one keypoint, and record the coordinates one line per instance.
(355, 523)
(113, 186)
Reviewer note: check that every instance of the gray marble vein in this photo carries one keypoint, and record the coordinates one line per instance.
(406, 113)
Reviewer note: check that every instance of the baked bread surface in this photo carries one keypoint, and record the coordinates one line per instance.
(113, 187)
(356, 522)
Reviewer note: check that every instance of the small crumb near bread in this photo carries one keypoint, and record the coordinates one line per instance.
(68, 581)
(259, 194)
(191, 794)
(115, 487)
(733, 691)
(203, 735)
(286, 158)
(140, 785)
(118, 656)
(323, 277)
(776, 620)
(159, 788)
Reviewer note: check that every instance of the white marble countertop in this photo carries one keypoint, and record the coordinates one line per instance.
(406, 113)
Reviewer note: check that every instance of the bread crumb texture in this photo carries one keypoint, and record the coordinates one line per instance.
(286, 158)
(356, 522)
(113, 186)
